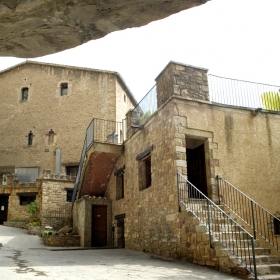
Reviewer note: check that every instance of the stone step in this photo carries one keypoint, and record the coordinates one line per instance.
(240, 244)
(260, 259)
(266, 277)
(267, 259)
(222, 251)
(233, 235)
(264, 269)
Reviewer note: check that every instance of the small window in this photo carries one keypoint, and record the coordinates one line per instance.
(69, 195)
(148, 171)
(63, 89)
(30, 138)
(124, 98)
(120, 187)
(145, 173)
(26, 198)
(72, 170)
(24, 94)
(145, 168)
(50, 137)
(276, 226)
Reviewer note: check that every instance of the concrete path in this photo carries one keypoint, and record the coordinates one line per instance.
(24, 256)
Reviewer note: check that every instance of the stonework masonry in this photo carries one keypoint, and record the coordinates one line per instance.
(56, 211)
(83, 219)
(90, 94)
(14, 189)
(239, 146)
(182, 80)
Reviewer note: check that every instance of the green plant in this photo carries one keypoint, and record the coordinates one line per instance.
(33, 208)
(48, 232)
(145, 117)
(34, 224)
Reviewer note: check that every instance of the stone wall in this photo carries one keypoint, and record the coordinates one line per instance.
(82, 216)
(61, 241)
(91, 94)
(182, 80)
(56, 211)
(15, 210)
(239, 146)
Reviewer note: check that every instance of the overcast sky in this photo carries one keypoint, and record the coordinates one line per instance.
(232, 38)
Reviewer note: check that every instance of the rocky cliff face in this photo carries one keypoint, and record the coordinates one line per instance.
(32, 28)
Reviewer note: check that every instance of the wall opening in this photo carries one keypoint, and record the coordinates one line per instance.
(63, 89)
(196, 164)
(99, 226)
(4, 202)
(24, 94)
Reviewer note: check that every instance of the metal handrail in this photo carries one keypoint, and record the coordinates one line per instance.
(99, 130)
(243, 93)
(260, 220)
(238, 241)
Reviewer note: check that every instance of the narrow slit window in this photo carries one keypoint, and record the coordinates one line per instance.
(30, 138)
(24, 94)
(63, 89)
(51, 137)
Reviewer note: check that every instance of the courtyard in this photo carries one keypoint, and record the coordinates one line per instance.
(24, 256)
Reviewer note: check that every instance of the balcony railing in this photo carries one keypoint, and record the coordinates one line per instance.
(103, 131)
(145, 108)
(243, 93)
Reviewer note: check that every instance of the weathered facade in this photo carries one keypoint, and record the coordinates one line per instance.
(45, 110)
(199, 139)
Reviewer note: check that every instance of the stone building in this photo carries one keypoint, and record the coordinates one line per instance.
(45, 110)
(188, 136)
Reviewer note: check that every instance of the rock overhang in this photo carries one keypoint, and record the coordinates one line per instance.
(35, 28)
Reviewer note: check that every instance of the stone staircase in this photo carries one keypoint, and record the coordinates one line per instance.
(267, 265)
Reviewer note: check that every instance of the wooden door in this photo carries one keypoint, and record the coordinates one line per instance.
(99, 226)
(196, 168)
(3, 208)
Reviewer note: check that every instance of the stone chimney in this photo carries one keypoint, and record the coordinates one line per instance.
(182, 80)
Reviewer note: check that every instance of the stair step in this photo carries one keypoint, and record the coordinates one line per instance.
(264, 269)
(260, 259)
(266, 259)
(240, 244)
(266, 277)
(222, 251)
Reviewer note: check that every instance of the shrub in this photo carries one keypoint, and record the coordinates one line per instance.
(34, 224)
(33, 208)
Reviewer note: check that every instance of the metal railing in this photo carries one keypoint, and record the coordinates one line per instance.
(251, 213)
(145, 108)
(103, 131)
(56, 217)
(227, 231)
(243, 93)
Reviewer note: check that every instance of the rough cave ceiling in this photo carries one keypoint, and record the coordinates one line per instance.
(32, 28)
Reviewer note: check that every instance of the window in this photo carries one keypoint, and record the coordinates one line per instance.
(24, 94)
(120, 183)
(124, 98)
(72, 170)
(148, 171)
(28, 174)
(26, 198)
(145, 168)
(50, 137)
(63, 89)
(30, 138)
(276, 226)
(69, 193)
